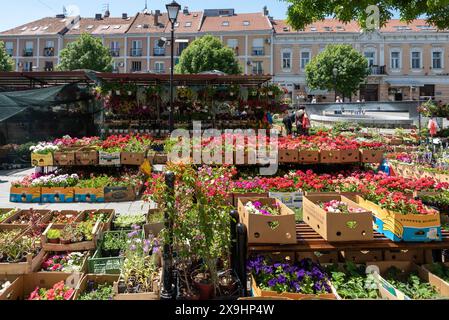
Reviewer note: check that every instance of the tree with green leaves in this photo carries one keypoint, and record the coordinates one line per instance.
(87, 52)
(304, 12)
(206, 54)
(6, 62)
(351, 66)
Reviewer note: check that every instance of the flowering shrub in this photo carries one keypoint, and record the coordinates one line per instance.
(336, 206)
(59, 291)
(44, 148)
(68, 142)
(304, 277)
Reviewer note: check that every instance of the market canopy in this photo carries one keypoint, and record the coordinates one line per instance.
(14, 102)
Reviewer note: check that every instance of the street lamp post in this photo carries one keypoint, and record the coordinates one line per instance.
(335, 73)
(173, 11)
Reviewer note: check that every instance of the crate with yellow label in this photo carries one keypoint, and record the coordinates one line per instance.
(41, 160)
(25, 194)
(404, 227)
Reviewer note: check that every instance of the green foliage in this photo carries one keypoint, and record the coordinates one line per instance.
(6, 62)
(101, 292)
(410, 284)
(205, 54)
(440, 269)
(126, 221)
(351, 65)
(87, 52)
(353, 282)
(114, 241)
(304, 12)
(53, 234)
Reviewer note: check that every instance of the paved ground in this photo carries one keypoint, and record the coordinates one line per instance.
(5, 182)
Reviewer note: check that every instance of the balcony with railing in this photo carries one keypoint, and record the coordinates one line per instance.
(159, 52)
(159, 70)
(377, 70)
(49, 52)
(258, 51)
(257, 71)
(28, 52)
(136, 52)
(115, 52)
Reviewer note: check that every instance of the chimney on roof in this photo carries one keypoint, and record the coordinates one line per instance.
(157, 13)
(124, 16)
(107, 14)
(265, 11)
(60, 16)
(186, 10)
(98, 16)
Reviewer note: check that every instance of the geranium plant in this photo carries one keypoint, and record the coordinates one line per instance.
(59, 291)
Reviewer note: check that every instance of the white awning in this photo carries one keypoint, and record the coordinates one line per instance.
(182, 40)
(405, 83)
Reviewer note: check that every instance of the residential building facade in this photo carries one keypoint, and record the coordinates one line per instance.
(406, 61)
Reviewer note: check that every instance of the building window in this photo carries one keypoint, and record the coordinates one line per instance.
(136, 66)
(159, 67)
(233, 44)
(181, 47)
(395, 60)
(115, 49)
(28, 52)
(286, 60)
(258, 48)
(370, 56)
(158, 50)
(136, 49)
(305, 59)
(48, 66)
(416, 59)
(257, 67)
(9, 46)
(437, 60)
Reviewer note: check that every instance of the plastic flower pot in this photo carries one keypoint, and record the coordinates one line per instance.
(204, 286)
(54, 241)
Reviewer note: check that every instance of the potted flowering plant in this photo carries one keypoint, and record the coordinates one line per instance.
(96, 287)
(64, 262)
(59, 291)
(56, 188)
(297, 281)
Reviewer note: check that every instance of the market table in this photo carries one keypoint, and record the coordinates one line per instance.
(309, 240)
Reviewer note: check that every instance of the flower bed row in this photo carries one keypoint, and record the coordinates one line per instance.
(60, 188)
(305, 279)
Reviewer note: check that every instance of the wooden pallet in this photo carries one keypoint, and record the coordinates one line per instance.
(309, 240)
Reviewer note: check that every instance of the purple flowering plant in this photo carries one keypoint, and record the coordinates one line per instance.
(305, 276)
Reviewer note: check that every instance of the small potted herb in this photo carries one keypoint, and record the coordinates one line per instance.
(53, 236)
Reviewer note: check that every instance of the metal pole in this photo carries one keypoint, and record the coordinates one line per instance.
(234, 220)
(167, 292)
(242, 248)
(172, 57)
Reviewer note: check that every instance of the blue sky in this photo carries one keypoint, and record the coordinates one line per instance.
(15, 13)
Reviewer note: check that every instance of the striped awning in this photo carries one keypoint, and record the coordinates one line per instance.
(406, 83)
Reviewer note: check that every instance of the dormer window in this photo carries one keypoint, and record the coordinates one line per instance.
(246, 23)
(286, 29)
(24, 28)
(90, 27)
(225, 23)
(117, 27)
(105, 27)
(35, 28)
(188, 24)
(313, 29)
(327, 28)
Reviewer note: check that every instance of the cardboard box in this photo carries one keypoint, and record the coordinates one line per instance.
(48, 255)
(97, 279)
(76, 215)
(336, 227)
(268, 229)
(57, 195)
(279, 256)
(64, 158)
(91, 195)
(109, 213)
(290, 199)
(330, 156)
(442, 285)
(8, 292)
(86, 157)
(318, 256)
(413, 255)
(309, 156)
(25, 194)
(362, 256)
(29, 282)
(371, 155)
(390, 292)
(350, 156)
(32, 263)
(132, 158)
(404, 227)
(257, 292)
(10, 211)
(41, 160)
(154, 295)
(108, 158)
(119, 194)
(288, 156)
(78, 246)
(237, 196)
(12, 220)
(157, 157)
